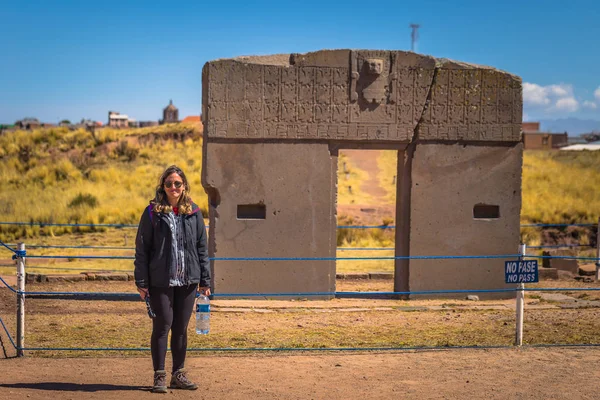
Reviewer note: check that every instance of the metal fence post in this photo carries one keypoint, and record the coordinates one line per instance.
(20, 299)
(520, 302)
(598, 252)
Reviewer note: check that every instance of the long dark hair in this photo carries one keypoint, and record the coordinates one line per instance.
(161, 203)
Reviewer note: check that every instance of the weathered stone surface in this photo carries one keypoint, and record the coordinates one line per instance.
(110, 277)
(358, 95)
(448, 181)
(65, 278)
(353, 275)
(473, 103)
(91, 275)
(587, 270)
(294, 186)
(273, 126)
(562, 264)
(381, 275)
(547, 273)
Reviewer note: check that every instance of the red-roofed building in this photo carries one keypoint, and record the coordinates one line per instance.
(192, 118)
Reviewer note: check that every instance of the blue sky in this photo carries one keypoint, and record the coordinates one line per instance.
(75, 59)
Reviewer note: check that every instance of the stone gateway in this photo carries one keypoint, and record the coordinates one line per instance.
(273, 127)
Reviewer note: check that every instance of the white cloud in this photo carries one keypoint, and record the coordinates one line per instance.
(597, 93)
(554, 98)
(568, 104)
(560, 90)
(535, 94)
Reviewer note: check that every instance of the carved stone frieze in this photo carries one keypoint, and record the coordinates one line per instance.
(360, 95)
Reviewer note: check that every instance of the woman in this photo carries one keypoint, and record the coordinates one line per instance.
(171, 262)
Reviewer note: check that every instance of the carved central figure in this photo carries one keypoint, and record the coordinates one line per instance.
(370, 78)
(375, 66)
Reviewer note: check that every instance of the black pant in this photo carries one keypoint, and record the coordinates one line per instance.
(173, 307)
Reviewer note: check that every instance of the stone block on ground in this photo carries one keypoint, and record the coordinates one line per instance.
(562, 264)
(91, 275)
(353, 276)
(587, 270)
(547, 262)
(65, 278)
(566, 275)
(548, 273)
(111, 277)
(381, 275)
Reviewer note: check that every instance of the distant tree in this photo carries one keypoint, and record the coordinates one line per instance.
(65, 122)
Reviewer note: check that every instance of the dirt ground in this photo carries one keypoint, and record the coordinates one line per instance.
(531, 373)
(456, 373)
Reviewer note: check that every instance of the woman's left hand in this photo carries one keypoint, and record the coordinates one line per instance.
(204, 290)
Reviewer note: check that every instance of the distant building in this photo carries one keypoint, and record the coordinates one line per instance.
(89, 122)
(192, 119)
(196, 120)
(170, 114)
(145, 124)
(117, 120)
(533, 139)
(544, 140)
(530, 127)
(28, 123)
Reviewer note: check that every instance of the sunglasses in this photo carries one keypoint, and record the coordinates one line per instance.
(177, 184)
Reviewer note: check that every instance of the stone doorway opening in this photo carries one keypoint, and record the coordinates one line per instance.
(366, 197)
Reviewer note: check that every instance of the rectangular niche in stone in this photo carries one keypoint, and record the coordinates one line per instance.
(251, 211)
(486, 211)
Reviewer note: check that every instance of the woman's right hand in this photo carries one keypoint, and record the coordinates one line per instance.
(143, 292)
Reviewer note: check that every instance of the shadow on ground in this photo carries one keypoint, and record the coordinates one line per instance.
(72, 387)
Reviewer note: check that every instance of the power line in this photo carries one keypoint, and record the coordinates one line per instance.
(414, 36)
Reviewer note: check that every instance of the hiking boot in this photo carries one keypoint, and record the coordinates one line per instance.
(160, 382)
(180, 381)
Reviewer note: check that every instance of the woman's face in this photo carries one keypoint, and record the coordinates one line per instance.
(170, 186)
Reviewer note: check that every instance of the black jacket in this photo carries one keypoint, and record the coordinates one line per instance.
(153, 249)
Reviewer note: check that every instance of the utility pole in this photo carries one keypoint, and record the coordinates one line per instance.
(414, 36)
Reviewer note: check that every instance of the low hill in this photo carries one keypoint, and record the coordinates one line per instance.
(105, 176)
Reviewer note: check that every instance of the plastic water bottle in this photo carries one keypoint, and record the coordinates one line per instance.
(202, 314)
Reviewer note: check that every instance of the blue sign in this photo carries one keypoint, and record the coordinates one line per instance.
(521, 271)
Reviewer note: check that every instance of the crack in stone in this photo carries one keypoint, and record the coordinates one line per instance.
(402, 267)
(427, 102)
